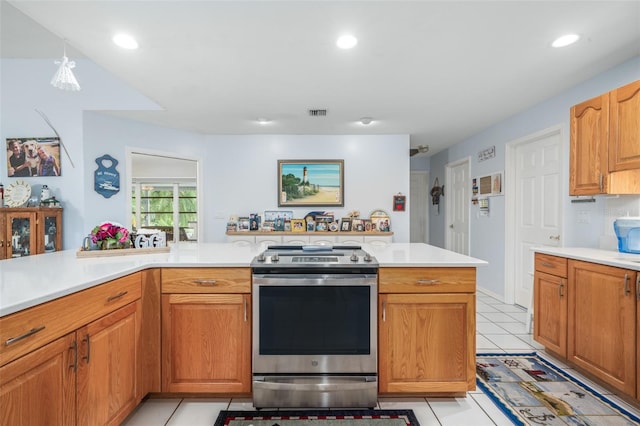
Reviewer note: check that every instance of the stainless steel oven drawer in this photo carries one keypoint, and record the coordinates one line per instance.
(315, 391)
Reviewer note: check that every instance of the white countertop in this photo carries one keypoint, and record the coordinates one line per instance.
(31, 280)
(604, 257)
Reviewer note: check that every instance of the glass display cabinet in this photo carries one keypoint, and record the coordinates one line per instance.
(30, 230)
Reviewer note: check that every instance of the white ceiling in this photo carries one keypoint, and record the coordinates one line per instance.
(440, 71)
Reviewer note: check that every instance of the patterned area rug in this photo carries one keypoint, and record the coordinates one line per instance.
(531, 391)
(318, 418)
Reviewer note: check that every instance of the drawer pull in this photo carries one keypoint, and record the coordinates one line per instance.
(116, 296)
(547, 265)
(205, 282)
(428, 282)
(24, 336)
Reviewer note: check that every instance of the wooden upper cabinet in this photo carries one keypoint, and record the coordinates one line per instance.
(624, 139)
(588, 167)
(605, 143)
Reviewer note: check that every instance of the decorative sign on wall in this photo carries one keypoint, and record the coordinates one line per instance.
(399, 202)
(106, 177)
(486, 154)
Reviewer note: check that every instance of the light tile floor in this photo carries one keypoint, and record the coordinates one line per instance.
(500, 328)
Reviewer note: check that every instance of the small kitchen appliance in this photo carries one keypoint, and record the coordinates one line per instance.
(628, 232)
(314, 327)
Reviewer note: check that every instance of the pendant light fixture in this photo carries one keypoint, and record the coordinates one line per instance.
(63, 78)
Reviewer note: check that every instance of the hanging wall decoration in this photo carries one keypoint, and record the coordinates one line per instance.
(436, 192)
(106, 177)
(399, 202)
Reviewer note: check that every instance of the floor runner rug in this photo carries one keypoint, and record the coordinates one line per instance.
(532, 391)
(318, 418)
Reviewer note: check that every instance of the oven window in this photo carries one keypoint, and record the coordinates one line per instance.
(315, 320)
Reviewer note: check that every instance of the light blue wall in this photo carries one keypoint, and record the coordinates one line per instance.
(24, 87)
(487, 239)
(239, 172)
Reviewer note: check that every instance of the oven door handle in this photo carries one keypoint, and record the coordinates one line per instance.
(354, 383)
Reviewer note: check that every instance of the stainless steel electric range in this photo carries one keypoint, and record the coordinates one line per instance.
(314, 327)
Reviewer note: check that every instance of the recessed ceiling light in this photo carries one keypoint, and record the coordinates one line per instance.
(125, 41)
(347, 41)
(365, 121)
(262, 121)
(565, 40)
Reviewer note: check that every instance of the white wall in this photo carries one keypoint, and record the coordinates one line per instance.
(488, 233)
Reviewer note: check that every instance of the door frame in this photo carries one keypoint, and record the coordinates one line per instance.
(447, 202)
(129, 151)
(510, 243)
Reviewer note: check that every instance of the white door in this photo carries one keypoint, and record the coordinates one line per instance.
(456, 195)
(418, 211)
(537, 207)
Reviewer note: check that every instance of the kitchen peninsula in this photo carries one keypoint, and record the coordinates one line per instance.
(66, 321)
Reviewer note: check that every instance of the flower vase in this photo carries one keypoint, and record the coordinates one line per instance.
(110, 245)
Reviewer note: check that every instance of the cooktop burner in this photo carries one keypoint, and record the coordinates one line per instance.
(294, 256)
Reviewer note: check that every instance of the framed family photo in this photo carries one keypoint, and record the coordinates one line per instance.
(28, 157)
(304, 183)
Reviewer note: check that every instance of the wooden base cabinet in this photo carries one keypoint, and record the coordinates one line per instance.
(206, 336)
(602, 323)
(550, 302)
(426, 329)
(40, 388)
(108, 368)
(74, 360)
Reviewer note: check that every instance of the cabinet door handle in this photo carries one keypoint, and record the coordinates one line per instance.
(86, 338)
(244, 303)
(384, 310)
(74, 348)
(601, 182)
(561, 289)
(638, 285)
(627, 291)
(428, 282)
(547, 264)
(205, 282)
(116, 296)
(31, 332)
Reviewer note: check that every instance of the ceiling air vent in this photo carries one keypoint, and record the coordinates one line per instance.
(317, 112)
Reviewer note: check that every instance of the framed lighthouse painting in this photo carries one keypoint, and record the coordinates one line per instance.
(304, 183)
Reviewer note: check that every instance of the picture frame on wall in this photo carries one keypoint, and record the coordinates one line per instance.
(31, 157)
(303, 183)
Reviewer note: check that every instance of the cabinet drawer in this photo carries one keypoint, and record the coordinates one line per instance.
(31, 328)
(206, 280)
(553, 265)
(427, 280)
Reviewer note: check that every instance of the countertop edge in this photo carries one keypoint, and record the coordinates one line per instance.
(600, 256)
(60, 274)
